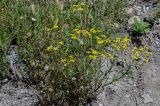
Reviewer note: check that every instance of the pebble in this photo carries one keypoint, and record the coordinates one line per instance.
(133, 19)
(139, 100)
(129, 10)
(128, 95)
(147, 98)
(100, 104)
(46, 67)
(138, 10)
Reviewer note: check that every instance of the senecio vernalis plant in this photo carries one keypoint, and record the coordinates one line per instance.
(76, 73)
(75, 61)
(69, 53)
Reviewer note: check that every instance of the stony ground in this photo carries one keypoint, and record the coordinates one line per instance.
(17, 94)
(143, 89)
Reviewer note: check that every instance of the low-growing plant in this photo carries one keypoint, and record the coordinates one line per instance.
(65, 49)
(139, 28)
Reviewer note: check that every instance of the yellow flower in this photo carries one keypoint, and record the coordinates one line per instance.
(73, 36)
(147, 54)
(117, 40)
(77, 8)
(77, 31)
(61, 43)
(63, 60)
(92, 30)
(140, 63)
(55, 27)
(145, 60)
(86, 33)
(82, 4)
(124, 46)
(125, 39)
(101, 54)
(49, 48)
(71, 59)
(115, 46)
(55, 49)
(108, 40)
(99, 40)
(94, 52)
(134, 57)
(134, 49)
(103, 36)
(49, 29)
(80, 9)
(141, 49)
(137, 53)
(92, 57)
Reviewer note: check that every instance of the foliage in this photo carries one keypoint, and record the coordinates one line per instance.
(64, 46)
(139, 27)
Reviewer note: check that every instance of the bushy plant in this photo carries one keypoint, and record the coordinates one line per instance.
(139, 28)
(65, 48)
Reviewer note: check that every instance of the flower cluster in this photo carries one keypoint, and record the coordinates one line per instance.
(69, 60)
(140, 55)
(96, 48)
(93, 54)
(54, 27)
(78, 7)
(120, 43)
(103, 39)
(80, 33)
(55, 48)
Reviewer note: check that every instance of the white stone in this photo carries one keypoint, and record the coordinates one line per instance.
(46, 67)
(73, 78)
(133, 19)
(134, 85)
(33, 19)
(129, 10)
(116, 25)
(138, 9)
(100, 104)
(139, 100)
(128, 95)
(147, 98)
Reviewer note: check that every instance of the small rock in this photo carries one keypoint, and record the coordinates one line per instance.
(100, 104)
(147, 98)
(116, 25)
(128, 95)
(129, 10)
(138, 10)
(139, 101)
(145, 9)
(33, 19)
(133, 19)
(5, 80)
(134, 85)
(46, 67)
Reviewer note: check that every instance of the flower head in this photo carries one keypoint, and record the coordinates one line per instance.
(49, 48)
